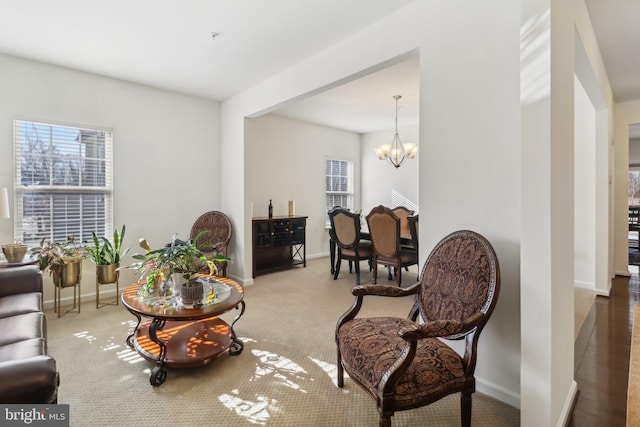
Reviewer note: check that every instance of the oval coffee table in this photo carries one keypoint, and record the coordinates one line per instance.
(179, 335)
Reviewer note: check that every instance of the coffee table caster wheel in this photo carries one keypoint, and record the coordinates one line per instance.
(158, 375)
(236, 348)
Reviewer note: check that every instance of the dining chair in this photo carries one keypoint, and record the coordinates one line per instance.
(413, 230)
(345, 231)
(384, 228)
(634, 221)
(217, 238)
(403, 213)
(404, 363)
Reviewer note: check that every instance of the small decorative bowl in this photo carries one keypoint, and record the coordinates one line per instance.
(14, 252)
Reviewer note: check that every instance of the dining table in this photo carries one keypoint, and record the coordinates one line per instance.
(405, 240)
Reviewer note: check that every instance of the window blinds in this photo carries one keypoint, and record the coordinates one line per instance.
(63, 182)
(338, 185)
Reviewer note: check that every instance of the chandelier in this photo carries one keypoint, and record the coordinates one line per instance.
(397, 152)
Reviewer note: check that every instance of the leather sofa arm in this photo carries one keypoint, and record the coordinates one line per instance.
(17, 280)
(31, 380)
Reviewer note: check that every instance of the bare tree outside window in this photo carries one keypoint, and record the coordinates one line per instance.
(63, 182)
(634, 187)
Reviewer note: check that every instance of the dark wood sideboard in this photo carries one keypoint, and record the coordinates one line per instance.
(279, 243)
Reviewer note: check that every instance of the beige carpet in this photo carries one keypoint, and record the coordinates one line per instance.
(284, 377)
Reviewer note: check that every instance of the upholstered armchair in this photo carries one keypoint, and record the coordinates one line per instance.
(216, 240)
(345, 231)
(405, 363)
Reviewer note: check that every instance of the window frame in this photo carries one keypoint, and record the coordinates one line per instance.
(347, 194)
(70, 201)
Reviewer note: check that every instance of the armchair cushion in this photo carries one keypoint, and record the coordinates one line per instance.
(369, 346)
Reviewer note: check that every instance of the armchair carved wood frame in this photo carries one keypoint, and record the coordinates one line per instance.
(401, 362)
(217, 238)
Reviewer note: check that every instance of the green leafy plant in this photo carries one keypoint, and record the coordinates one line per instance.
(54, 255)
(107, 252)
(180, 256)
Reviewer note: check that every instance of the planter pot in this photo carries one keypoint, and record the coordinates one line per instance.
(69, 275)
(14, 252)
(192, 294)
(179, 281)
(107, 273)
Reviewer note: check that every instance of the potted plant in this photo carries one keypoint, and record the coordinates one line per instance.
(61, 260)
(177, 263)
(106, 254)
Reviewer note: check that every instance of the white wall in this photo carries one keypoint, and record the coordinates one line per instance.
(589, 68)
(469, 120)
(286, 161)
(634, 151)
(547, 73)
(584, 190)
(166, 148)
(379, 177)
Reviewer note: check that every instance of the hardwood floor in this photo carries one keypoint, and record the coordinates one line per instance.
(602, 356)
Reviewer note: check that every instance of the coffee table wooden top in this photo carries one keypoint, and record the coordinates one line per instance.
(136, 304)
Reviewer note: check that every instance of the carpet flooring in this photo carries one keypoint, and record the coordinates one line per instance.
(286, 375)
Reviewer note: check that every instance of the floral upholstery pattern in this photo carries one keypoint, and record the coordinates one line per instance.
(456, 280)
(370, 346)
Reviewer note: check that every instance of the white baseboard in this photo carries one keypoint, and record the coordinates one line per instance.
(584, 285)
(498, 392)
(319, 255)
(624, 273)
(105, 295)
(563, 419)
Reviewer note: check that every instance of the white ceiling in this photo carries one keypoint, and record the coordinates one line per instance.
(366, 104)
(617, 27)
(168, 44)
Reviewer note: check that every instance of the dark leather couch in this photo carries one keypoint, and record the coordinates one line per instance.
(27, 373)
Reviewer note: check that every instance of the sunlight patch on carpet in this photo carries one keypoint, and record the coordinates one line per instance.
(130, 356)
(257, 412)
(331, 369)
(286, 371)
(85, 335)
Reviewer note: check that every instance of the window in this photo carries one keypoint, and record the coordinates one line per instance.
(338, 185)
(63, 182)
(634, 185)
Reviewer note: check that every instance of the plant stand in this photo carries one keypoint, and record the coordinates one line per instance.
(106, 275)
(70, 275)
